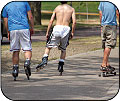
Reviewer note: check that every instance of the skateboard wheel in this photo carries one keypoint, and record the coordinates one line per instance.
(114, 73)
(104, 74)
(99, 75)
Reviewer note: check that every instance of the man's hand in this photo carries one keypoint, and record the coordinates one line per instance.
(8, 35)
(71, 36)
(47, 36)
(31, 33)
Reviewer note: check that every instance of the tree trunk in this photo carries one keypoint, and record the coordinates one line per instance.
(36, 11)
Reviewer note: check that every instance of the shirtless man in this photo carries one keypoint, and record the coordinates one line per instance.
(60, 35)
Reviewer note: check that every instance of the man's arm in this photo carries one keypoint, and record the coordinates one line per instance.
(50, 24)
(73, 23)
(30, 17)
(6, 27)
(100, 16)
(117, 13)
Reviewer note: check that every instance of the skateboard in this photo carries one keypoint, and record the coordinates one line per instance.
(107, 73)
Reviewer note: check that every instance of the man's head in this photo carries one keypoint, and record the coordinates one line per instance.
(63, 2)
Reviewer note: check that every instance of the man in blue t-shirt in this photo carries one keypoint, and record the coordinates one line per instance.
(108, 12)
(19, 33)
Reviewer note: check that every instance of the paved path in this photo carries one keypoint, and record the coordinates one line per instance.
(79, 81)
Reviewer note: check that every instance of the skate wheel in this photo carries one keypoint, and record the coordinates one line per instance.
(27, 74)
(14, 79)
(37, 70)
(28, 77)
(60, 73)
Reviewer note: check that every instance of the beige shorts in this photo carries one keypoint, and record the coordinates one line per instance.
(109, 36)
(59, 37)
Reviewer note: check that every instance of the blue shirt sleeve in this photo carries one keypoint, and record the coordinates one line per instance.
(27, 6)
(100, 6)
(116, 8)
(4, 13)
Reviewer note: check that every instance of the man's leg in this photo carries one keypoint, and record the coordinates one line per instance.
(47, 51)
(106, 56)
(15, 58)
(63, 55)
(28, 55)
(61, 61)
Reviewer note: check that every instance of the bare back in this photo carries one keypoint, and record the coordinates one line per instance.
(63, 14)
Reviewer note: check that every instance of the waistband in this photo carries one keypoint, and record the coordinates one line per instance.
(63, 26)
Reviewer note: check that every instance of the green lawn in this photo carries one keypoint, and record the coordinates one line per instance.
(79, 6)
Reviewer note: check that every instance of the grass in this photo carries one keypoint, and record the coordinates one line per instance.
(78, 25)
(40, 27)
(79, 6)
(37, 44)
(76, 46)
(49, 5)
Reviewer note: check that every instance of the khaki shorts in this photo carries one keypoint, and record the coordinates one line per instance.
(59, 37)
(109, 36)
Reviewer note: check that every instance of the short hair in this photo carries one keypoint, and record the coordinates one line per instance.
(63, 2)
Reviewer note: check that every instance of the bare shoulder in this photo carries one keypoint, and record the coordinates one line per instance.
(73, 9)
(58, 7)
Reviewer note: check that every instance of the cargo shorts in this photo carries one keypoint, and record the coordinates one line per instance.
(109, 36)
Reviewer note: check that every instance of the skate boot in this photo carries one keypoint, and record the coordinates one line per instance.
(15, 71)
(60, 67)
(42, 64)
(27, 68)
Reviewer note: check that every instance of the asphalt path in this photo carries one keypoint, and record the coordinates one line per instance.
(80, 80)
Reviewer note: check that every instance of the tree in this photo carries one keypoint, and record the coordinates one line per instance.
(36, 11)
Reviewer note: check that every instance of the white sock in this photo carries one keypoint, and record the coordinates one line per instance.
(62, 60)
(45, 55)
(27, 59)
